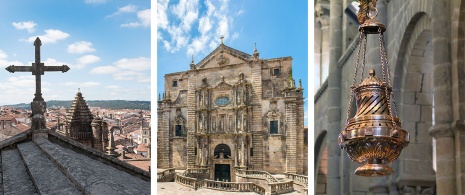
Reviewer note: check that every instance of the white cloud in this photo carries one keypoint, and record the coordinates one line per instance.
(51, 36)
(112, 87)
(85, 60)
(126, 9)
(214, 22)
(204, 25)
(162, 17)
(3, 54)
(80, 47)
(83, 84)
(53, 62)
(95, 1)
(29, 26)
(143, 17)
(104, 70)
(135, 64)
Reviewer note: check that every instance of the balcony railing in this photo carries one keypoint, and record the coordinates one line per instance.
(187, 181)
(233, 186)
(301, 180)
(281, 187)
(165, 173)
(256, 174)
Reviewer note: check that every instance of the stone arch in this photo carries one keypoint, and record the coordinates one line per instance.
(413, 85)
(222, 148)
(458, 61)
(321, 162)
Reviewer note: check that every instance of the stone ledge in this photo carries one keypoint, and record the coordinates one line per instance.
(15, 139)
(97, 155)
(92, 176)
(47, 178)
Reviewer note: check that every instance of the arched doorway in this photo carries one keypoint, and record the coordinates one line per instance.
(222, 170)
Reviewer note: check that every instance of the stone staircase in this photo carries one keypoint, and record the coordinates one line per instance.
(41, 167)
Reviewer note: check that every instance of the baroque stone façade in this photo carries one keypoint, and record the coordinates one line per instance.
(232, 110)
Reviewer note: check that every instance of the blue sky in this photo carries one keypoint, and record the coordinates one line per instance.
(106, 43)
(192, 27)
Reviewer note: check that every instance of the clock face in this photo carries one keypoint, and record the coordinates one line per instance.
(221, 101)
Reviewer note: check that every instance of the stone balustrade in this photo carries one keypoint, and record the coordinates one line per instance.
(301, 180)
(165, 173)
(199, 173)
(233, 186)
(256, 174)
(187, 181)
(281, 187)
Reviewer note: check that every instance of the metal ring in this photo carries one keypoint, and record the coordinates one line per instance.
(376, 10)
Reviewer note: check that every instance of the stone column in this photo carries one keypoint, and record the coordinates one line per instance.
(443, 115)
(334, 93)
(325, 51)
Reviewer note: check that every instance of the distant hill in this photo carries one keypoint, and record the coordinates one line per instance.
(113, 104)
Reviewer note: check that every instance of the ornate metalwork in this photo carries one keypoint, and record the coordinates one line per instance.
(374, 136)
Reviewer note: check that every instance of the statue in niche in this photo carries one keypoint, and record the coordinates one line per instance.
(241, 77)
(222, 123)
(214, 123)
(238, 97)
(204, 80)
(201, 121)
(231, 123)
(201, 98)
(245, 122)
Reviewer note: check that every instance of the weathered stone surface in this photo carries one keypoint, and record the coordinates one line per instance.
(92, 176)
(48, 179)
(15, 177)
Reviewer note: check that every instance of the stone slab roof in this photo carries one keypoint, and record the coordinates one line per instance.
(54, 164)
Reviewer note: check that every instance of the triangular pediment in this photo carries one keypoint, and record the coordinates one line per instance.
(222, 56)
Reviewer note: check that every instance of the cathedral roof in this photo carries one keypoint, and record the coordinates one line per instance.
(55, 164)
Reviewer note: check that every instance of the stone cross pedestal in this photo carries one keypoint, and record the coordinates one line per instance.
(38, 104)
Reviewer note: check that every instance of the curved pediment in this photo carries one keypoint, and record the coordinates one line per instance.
(223, 85)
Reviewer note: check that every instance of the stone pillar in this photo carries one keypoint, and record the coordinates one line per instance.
(242, 151)
(257, 123)
(191, 120)
(333, 112)
(97, 133)
(291, 141)
(443, 115)
(325, 51)
(111, 145)
(105, 138)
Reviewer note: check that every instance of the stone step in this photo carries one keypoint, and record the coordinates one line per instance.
(48, 179)
(14, 174)
(93, 177)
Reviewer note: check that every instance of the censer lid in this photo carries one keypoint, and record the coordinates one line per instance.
(371, 80)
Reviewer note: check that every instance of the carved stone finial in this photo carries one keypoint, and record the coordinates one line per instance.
(192, 64)
(255, 52)
(37, 42)
(79, 90)
(222, 37)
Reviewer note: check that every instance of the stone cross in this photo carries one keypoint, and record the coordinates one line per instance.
(38, 104)
(37, 69)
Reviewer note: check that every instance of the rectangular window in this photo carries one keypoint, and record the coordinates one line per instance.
(251, 151)
(178, 130)
(195, 151)
(275, 71)
(273, 127)
(175, 83)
